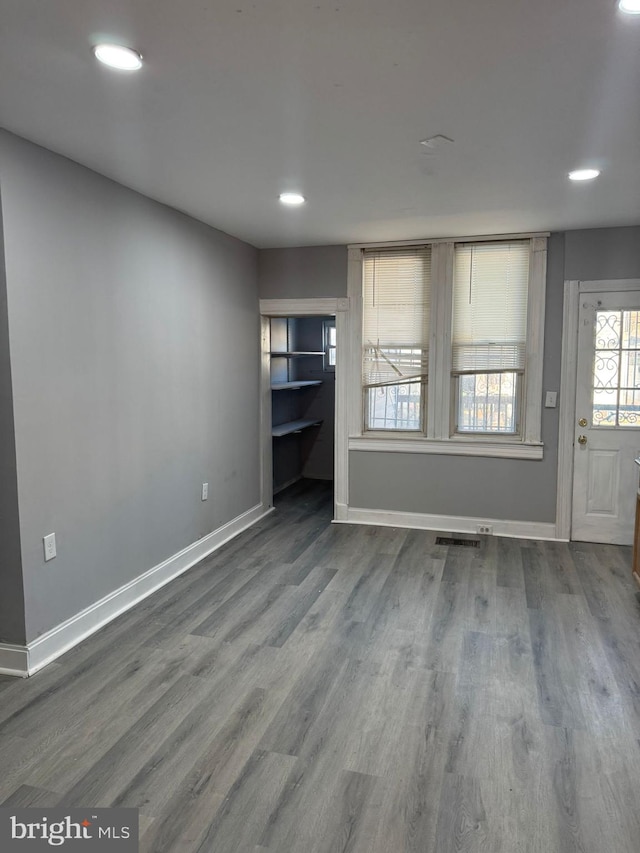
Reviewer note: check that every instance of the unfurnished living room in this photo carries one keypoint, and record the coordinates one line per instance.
(320, 426)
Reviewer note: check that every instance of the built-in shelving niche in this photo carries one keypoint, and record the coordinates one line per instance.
(301, 402)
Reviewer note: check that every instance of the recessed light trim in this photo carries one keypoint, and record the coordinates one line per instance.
(583, 174)
(292, 199)
(629, 7)
(117, 56)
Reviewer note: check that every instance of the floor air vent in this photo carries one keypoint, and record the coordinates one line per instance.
(452, 540)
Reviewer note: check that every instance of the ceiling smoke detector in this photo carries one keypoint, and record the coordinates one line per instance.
(432, 143)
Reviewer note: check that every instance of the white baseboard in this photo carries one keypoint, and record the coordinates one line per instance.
(448, 523)
(342, 511)
(26, 660)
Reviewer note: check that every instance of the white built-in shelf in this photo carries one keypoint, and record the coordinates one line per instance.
(296, 354)
(293, 426)
(293, 386)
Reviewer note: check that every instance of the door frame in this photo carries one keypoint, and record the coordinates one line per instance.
(312, 307)
(573, 290)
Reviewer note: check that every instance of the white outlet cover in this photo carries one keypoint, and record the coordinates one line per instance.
(49, 542)
(205, 491)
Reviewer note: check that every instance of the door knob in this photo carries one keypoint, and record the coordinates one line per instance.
(582, 439)
(582, 422)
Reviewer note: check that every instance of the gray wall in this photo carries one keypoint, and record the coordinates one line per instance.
(134, 340)
(602, 253)
(302, 273)
(448, 485)
(12, 623)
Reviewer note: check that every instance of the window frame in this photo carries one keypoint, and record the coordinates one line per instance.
(438, 434)
(518, 405)
(407, 431)
(327, 325)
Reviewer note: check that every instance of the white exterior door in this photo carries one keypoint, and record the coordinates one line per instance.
(607, 418)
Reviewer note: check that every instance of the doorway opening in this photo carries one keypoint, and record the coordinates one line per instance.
(300, 354)
(302, 374)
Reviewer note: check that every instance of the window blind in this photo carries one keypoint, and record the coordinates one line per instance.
(396, 296)
(490, 289)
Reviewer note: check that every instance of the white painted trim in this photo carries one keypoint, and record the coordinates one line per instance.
(314, 307)
(340, 441)
(532, 423)
(430, 241)
(448, 447)
(352, 419)
(68, 634)
(450, 523)
(567, 408)
(14, 660)
(610, 285)
(440, 351)
(266, 448)
(341, 513)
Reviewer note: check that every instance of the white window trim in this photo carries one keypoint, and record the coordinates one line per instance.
(438, 437)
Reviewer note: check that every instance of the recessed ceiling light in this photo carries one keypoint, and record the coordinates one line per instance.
(292, 198)
(116, 56)
(583, 174)
(631, 7)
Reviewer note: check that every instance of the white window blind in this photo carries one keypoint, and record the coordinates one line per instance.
(490, 307)
(396, 296)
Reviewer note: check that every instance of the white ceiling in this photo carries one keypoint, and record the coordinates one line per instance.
(239, 100)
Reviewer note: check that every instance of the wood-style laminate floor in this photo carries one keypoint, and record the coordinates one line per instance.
(317, 688)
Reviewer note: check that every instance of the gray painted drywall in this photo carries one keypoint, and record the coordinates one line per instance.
(511, 489)
(12, 623)
(451, 485)
(307, 272)
(134, 339)
(475, 486)
(597, 254)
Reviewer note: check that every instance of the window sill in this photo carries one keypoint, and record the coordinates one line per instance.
(455, 446)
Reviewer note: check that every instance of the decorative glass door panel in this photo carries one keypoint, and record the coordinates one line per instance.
(616, 369)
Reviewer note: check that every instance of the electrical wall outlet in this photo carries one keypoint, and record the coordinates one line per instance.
(486, 529)
(49, 547)
(205, 491)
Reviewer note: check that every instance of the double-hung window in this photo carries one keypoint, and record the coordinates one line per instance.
(396, 324)
(489, 336)
(451, 347)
